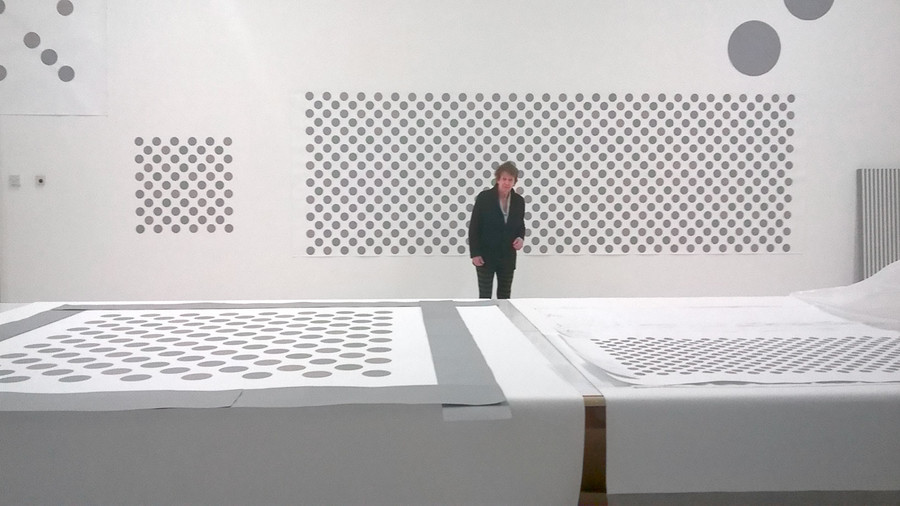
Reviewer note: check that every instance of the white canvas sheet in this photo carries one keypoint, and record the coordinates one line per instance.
(725, 435)
(874, 300)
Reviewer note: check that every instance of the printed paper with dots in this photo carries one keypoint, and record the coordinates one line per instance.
(710, 340)
(184, 185)
(53, 57)
(103, 350)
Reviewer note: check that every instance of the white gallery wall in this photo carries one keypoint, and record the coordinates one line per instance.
(239, 73)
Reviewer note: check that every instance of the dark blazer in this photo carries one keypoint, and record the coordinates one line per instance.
(489, 237)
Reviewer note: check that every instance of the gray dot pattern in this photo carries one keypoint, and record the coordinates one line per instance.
(48, 57)
(723, 357)
(298, 346)
(397, 174)
(184, 185)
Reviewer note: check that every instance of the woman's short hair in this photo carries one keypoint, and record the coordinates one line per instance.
(506, 168)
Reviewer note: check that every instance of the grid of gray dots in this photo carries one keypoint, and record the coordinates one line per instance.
(184, 185)
(397, 174)
(649, 356)
(48, 56)
(195, 347)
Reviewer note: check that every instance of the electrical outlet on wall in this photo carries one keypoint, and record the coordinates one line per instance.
(15, 181)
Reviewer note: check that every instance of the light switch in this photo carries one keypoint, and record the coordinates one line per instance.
(15, 181)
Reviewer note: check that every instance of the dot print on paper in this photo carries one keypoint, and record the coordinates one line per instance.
(184, 184)
(722, 358)
(220, 348)
(48, 57)
(635, 173)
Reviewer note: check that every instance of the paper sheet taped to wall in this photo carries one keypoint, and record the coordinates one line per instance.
(53, 58)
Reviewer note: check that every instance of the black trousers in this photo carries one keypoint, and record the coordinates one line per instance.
(486, 281)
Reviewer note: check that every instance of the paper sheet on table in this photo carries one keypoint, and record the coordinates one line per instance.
(174, 350)
(671, 341)
(732, 437)
(262, 354)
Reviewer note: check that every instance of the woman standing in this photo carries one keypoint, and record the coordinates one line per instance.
(497, 232)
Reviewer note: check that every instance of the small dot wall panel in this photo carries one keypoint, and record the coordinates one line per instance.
(184, 185)
(630, 173)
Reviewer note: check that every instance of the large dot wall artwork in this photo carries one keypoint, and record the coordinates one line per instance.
(397, 173)
(184, 185)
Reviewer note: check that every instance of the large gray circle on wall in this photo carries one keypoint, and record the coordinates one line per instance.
(808, 9)
(754, 48)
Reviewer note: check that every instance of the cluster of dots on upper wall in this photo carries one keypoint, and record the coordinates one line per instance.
(754, 47)
(184, 185)
(48, 56)
(397, 174)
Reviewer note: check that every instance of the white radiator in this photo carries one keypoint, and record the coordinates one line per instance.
(879, 218)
